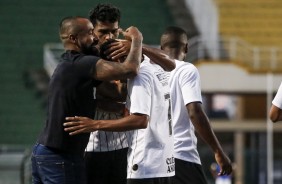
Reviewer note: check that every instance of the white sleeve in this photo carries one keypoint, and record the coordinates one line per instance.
(277, 101)
(139, 94)
(190, 85)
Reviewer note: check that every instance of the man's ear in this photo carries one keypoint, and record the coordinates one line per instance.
(186, 48)
(72, 38)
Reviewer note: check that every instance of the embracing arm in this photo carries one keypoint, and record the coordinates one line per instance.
(159, 57)
(106, 70)
(120, 49)
(77, 125)
(203, 128)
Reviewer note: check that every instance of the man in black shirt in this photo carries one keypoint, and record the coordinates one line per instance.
(57, 157)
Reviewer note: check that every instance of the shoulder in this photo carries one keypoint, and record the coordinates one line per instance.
(75, 64)
(185, 65)
(147, 70)
(89, 58)
(75, 57)
(146, 67)
(184, 68)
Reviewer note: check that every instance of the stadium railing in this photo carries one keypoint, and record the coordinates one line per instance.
(231, 49)
(234, 49)
(15, 165)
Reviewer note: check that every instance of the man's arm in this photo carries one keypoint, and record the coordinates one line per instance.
(120, 49)
(106, 70)
(203, 128)
(159, 57)
(275, 114)
(76, 125)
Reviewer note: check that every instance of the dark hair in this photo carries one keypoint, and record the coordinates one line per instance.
(104, 13)
(176, 35)
(175, 30)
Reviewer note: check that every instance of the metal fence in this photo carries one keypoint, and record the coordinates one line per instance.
(233, 49)
(15, 165)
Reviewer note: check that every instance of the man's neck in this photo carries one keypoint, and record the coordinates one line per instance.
(175, 54)
(71, 47)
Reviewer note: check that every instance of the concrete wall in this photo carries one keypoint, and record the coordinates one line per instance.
(231, 78)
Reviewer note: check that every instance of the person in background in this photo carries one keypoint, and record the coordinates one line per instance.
(57, 157)
(275, 113)
(187, 113)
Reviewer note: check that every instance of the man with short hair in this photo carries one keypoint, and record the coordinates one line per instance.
(188, 114)
(106, 152)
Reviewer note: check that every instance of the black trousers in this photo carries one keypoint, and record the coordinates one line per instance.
(106, 167)
(163, 180)
(188, 173)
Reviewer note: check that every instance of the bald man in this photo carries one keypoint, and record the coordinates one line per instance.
(58, 157)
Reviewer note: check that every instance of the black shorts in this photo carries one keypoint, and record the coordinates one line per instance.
(162, 180)
(188, 172)
(106, 167)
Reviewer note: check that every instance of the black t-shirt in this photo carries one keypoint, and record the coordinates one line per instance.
(71, 93)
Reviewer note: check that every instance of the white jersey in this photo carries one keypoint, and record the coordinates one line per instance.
(185, 88)
(103, 141)
(150, 150)
(277, 101)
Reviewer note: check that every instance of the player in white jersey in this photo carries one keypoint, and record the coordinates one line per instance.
(150, 157)
(151, 149)
(187, 114)
(275, 112)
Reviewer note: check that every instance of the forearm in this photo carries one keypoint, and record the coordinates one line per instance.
(203, 128)
(107, 70)
(77, 125)
(159, 57)
(131, 122)
(133, 59)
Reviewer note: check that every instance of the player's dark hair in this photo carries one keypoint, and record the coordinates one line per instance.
(174, 30)
(177, 33)
(104, 13)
